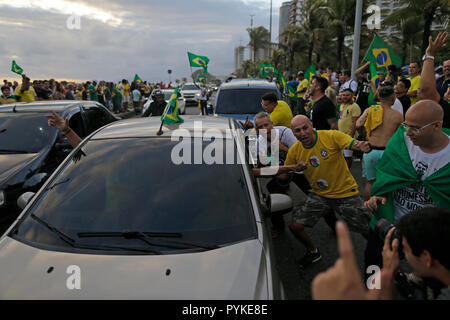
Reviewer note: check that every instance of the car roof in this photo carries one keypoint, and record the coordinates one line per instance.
(246, 83)
(148, 127)
(40, 106)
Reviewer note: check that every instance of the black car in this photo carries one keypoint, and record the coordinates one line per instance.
(30, 150)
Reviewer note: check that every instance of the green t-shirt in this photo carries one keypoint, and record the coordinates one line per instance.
(93, 93)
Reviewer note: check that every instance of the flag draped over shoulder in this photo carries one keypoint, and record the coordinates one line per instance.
(310, 72)
(171, 112)
(198, 61)
(15, 68)
(381, 55)
(392, 177)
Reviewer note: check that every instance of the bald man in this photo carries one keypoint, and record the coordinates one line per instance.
(333, 187)
(413, 172)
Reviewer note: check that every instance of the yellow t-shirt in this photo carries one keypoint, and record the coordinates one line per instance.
(327, 170)
(281, 115)
(302, 85)
(126, 90)
(347, 112)
(26, 96)
(415, 85)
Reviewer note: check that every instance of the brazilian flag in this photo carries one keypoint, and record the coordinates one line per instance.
(201, 78)
(381, 55)
(137, 79)
(376, 81)
(281, 79)
(292, 93)
(171, 112)
(198, 61)
(310, 72)
(15, 68)
(266, 70)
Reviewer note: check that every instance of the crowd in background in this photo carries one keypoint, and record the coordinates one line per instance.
(118, 97)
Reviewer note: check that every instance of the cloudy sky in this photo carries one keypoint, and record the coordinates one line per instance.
(117, 39)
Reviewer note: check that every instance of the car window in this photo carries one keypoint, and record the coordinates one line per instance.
(124, 184)
(190, 87)
(76, 124)
(96, 117)
(240, 101)
(24, 132)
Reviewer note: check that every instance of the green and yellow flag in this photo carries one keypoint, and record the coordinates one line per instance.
(310, 72)
(281, 79)
(375, 80)
(136, 78)
(266, 70)
(292, 93)
(198, 61)
(171, 112)
(381, 55)
(15, 68)
(201, 78)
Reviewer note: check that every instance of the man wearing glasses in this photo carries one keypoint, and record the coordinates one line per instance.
(413, 173)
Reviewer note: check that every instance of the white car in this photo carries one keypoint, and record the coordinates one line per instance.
(121, 218)
(167, 94)
(190, 93)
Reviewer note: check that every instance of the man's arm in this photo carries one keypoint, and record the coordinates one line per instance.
(352, 133)
(333, 123)
(279, 170)
(427, 79)
(361, 69)
(362, 119)
(362, 146)
(56, 121)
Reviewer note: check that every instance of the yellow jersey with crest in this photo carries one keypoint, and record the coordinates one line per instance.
(327, 171)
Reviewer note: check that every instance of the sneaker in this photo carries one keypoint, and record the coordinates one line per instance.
(309, 258)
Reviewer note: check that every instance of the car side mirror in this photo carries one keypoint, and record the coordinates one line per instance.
(280, 204)
(35, 180)
(24, 199)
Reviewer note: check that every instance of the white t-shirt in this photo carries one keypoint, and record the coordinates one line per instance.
(407, 199)
(397, 106)
(284, 134)
(352, 84)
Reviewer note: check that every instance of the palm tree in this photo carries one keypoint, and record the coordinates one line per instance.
(429, 11)
(259, 39)
(295, 37)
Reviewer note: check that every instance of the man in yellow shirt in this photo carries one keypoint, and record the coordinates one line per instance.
(319, 154)
(280, 112)
(348, 115)
(25, 92)
(301, 91)
(414, 77)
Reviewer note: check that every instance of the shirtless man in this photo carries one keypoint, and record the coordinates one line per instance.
(380, 122)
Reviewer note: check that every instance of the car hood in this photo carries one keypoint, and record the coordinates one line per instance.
(190, 91)
(233, 272)
(11, 163)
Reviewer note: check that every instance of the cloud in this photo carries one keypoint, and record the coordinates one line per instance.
(118, 39)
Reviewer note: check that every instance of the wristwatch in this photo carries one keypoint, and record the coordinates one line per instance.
(425, 56)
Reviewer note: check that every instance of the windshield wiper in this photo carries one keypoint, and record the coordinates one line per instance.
(74, 244)
(13, 151)
(144, 236)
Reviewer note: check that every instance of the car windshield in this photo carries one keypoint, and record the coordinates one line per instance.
(24, 132)
(190, 87)
(240, 101)
(167, 95)
(124, 185)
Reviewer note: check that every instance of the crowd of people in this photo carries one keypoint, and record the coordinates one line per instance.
(405, 142)
(117, 97)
